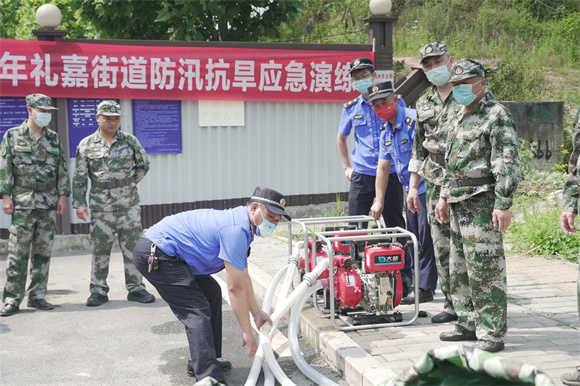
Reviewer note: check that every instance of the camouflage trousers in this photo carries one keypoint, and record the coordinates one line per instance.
(440, 235)
(105, 226)
(31, 235)
(478, 269)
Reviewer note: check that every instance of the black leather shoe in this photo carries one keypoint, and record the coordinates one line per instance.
(444, 317)
(141, 296)
(424, 297)
(225, 365)
(489, 346)
(40, 304)
(96, 299)
(9, 310)
(456, 336)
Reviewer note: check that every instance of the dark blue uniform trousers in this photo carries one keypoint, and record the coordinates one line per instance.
(196, 302)
(418, 224)
(360, 199)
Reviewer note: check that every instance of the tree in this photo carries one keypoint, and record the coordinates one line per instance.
(201, 20)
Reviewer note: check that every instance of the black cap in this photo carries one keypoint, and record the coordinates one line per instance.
(380, 90)
(361, 63)
(273, 200)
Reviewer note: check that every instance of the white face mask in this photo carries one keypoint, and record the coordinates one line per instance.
(42, 119)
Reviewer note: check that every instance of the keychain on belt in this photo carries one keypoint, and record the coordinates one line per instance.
(153, 261)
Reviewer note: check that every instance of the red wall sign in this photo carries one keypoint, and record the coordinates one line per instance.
(82, 70)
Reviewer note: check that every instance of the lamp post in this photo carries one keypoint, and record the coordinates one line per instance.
(381, 37)
(48, 16)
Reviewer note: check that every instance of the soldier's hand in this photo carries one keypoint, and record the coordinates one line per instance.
(502, 219)
(413, 200)
(250, 341)
(377, 209)
(61, 205)
(348, 173)
(441, 211)
(7, 204)
(567, 223)
(82, 212)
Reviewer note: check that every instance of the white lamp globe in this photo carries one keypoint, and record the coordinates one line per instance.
(48, 16)
(380, 7)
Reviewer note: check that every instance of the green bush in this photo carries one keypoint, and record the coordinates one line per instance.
(540, 233)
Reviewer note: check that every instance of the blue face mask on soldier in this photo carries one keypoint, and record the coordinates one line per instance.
(362, 85)
(42, 119)
(266, 228)
(439, 75)
(464, 94)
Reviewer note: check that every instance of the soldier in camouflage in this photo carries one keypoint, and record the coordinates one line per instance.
(114, 162)
(481, 176)
(428, 158)
(570, 210)
(34, 184)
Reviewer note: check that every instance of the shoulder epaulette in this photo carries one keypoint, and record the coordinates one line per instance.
(350, 103)
(409, 121)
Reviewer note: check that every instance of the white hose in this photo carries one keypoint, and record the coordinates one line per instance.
(293, 324)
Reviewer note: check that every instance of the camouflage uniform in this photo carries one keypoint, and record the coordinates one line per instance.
(428, 160)
(481, 173)
(572, 186)
(34, 173)
(114, 209)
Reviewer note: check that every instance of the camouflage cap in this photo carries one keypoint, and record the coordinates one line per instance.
(466, 68)
(360, 64)
(109, 108)
(380, 90)
(433, 49)
(39, 100)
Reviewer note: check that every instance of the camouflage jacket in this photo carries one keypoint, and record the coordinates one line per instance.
(33, 161)
(482, 144)
(431, 136)
(572, 186)
(98, 161)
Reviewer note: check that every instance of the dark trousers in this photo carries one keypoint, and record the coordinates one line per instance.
(418, 224)
(196, 302)
(360, 199)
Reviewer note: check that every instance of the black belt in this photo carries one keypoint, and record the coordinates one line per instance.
(438, 158)
(43, 186)
(113, 183)
(457, 183)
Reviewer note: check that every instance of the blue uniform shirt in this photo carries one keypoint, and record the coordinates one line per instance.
(204, 238)
(397, 145)
(360, 116)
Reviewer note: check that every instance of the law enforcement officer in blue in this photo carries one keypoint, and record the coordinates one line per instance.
(358, 115)
(397, 135)
(179, 254)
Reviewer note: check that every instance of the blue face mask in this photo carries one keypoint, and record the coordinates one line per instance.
(464, 94)
(266, 228)
(362, 85)
(439, 75)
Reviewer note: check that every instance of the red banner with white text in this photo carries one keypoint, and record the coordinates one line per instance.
(84, 70)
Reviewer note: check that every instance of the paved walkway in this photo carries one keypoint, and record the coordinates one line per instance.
(542, 319)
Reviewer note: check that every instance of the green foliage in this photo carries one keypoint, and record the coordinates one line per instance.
(338, 211)
(567, 148)
(540, 233)
(526, 157)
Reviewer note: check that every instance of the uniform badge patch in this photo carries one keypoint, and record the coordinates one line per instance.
(356, 62)
(429, 49)
(283, 202)
(388, 143)
(458, 70)
(375, 88)
(383, 126)
(357, 117)
(404, 141)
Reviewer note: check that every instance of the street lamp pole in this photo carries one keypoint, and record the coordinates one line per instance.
(48, 16)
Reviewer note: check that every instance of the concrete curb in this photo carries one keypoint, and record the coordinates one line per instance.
(357, 365)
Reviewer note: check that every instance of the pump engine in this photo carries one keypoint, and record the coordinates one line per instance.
(367, 277)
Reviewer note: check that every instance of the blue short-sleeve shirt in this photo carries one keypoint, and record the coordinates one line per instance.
(397, 145)
(360, 117)
(205, 238)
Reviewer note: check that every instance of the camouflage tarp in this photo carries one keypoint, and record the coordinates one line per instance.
(463, 365)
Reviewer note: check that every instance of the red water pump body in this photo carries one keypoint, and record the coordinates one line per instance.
(384, 259)
(347, 283)
(320, 254)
